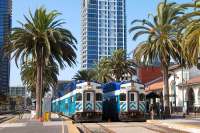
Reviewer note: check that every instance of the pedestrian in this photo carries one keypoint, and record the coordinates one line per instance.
(157, 110)
(21, 112)
(161, 111)
(152, 111)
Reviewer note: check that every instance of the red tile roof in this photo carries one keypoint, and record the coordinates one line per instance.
(158, 85)
(194, 80)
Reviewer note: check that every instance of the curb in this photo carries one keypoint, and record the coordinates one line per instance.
(70, 125)
(153, 121)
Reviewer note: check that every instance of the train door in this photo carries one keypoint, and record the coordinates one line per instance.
(123, 102)
(133, 100)
(79, 102)
(89, 101)
(98, 104)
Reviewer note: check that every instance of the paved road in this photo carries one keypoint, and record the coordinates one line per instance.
(130, 127)
(26, 125)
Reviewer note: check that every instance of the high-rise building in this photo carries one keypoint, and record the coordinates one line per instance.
(103, 30)
(5, 28)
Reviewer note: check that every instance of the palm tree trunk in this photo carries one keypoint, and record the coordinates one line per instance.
(39, 85)
(166, 90)
(38, 90)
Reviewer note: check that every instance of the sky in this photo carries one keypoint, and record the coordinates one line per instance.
(71, 10)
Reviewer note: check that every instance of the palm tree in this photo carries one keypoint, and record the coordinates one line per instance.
(103, 71)
(120, 66)
(43, 39)
(163, 43)
(115, 67)
(191, 33)
(28, 76)
(86, 75)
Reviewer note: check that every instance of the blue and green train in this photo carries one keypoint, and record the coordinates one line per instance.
(82, 101)
(92, 101)
(124, 101)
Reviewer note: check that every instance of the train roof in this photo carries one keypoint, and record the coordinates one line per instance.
(68, 87)
(131, 81)
(112, 86)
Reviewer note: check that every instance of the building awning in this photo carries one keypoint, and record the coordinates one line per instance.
(192, 81)
(158, 85)
(151, 94)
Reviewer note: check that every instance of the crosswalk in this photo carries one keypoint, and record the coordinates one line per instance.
(45, 124)
(25, 121)
(6, 125)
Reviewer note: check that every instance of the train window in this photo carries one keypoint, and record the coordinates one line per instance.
(132, 97)
(98, 97)
(142, 97)
(72, 99)
(98, 87)
(78, 97)
(66, 105)
(88, 96)
(122, 97)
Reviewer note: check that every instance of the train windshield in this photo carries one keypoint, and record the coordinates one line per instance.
(122, 97)
(87, 96)
(98, 97)
(132, 97)
(78, 97)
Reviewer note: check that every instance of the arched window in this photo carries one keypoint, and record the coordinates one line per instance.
(191, 97)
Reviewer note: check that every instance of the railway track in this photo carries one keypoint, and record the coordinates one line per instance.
(93, 128)
(4, 119)
(127, 127)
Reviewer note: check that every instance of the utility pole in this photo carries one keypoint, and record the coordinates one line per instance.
(183, 90)
(175, 90)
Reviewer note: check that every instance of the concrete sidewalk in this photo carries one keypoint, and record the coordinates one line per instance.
(191, 126)
(28, 125)
(71, 127)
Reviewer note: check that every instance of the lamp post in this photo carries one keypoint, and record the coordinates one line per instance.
(182, 88)
(174, 85)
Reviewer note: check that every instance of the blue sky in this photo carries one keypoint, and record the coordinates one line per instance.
(70, 9)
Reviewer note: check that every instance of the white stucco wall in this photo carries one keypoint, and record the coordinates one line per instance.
(181, 92)
(178, 78)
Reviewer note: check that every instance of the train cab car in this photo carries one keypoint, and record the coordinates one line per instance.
(82, 102)
(124, 101)
(132, 102)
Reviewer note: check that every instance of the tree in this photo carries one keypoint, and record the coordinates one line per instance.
(103, 71)
(43, 39)
(86, 75)
(120, 66)
(28, 76)
(163, 41)
(191, 33)
(115, 67)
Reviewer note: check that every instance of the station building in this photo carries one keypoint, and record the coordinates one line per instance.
(184, 89)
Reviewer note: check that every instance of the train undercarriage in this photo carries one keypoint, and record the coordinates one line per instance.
(88, 117)
(132, 116)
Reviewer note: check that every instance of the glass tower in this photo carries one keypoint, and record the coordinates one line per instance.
(103, 25)
(5, 27)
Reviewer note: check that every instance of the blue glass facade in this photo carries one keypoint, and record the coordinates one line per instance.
(103, 29)
(5, 27)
